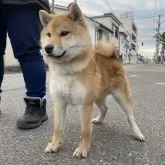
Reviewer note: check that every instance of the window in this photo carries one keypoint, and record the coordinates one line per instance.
(99, 34)
(107, 37)
(115, 31)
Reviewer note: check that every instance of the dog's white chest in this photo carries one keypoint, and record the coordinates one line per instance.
(65, 87)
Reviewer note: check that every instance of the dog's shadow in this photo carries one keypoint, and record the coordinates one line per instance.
(113, 142)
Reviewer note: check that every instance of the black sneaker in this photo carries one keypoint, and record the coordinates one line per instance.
(35, 113)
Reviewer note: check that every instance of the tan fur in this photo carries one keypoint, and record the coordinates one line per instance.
(97, 71)
(105, 48)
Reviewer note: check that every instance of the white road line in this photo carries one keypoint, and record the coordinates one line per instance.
(133, 75)
(132, 70)
(160, 83)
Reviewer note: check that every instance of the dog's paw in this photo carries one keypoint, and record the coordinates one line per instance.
(97, 121)
(139, 137)
(51, 147)
(80, 152)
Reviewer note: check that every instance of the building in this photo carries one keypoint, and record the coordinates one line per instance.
(110, 21)
(127, 20)
(124, 45)
(98, 31)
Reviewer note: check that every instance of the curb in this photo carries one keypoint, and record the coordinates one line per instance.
(13, 69)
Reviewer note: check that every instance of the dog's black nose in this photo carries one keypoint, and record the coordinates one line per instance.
(49, 49)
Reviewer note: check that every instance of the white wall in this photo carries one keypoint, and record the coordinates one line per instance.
(9, 57)
(108, 22)
(123, 42)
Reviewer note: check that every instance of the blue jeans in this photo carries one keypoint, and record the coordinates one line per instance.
(22, 24)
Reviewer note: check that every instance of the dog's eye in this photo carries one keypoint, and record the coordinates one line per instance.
(64, 33)
(48, 34)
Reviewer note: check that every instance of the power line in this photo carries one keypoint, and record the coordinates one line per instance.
(107, 3)
(144, 17)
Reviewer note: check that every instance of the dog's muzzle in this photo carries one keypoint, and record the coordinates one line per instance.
(54, 51)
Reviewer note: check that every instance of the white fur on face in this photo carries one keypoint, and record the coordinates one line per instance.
(74, 47)
(57, 51)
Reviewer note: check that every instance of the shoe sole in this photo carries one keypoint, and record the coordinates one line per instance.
(31, 126)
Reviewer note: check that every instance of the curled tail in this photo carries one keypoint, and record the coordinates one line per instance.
(105, 48)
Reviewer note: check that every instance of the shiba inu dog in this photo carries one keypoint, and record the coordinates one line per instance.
(81, 75)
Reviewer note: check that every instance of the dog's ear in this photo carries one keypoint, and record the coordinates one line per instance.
(45, 17)
(75, 13)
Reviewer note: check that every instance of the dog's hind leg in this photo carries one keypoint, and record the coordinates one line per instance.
(103, 110)
(123, 96)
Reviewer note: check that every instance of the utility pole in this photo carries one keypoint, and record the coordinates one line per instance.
(157, 39)
(53, 6)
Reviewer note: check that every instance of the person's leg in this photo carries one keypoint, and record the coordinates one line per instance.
(24, 32)
(3, 34)
(23, 24)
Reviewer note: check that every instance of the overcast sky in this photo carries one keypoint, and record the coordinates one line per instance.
(145, 13)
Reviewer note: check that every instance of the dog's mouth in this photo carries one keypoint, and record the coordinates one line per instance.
(57, 56)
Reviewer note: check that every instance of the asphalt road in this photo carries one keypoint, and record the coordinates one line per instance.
(112, 143)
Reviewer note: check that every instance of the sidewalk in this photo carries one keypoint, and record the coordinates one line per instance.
(15, 69)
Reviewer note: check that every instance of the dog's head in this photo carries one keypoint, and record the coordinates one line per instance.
(65, 36)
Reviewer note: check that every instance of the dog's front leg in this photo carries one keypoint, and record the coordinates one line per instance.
(86, 131)
(59, 120)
